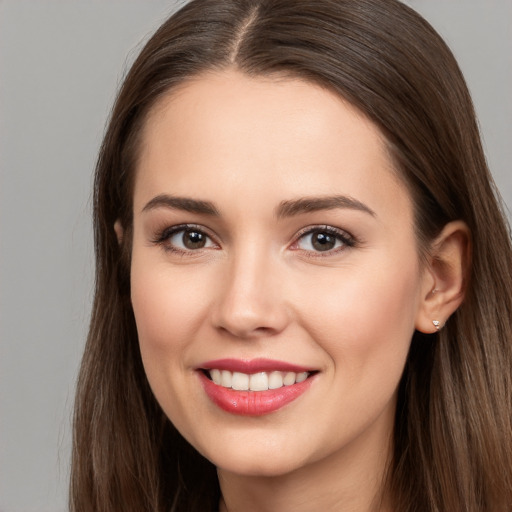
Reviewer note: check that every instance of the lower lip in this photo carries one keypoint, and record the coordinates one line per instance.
(252, 403)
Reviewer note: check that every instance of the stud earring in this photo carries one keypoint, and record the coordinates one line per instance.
(437, 324)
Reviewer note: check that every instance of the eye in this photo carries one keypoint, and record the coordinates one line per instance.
(185, 239)
(323, 239)
(190, 239)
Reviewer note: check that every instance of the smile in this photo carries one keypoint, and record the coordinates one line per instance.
(261, 381)
(253, 388)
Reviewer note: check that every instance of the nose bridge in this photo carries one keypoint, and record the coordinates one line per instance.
(250, 302)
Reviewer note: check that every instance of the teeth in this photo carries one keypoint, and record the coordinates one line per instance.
(226, 378)
(275, 380)
(261, 381)
(258, 382)
(289, 379)
(301, 377)
(216, 376)
(240, 381)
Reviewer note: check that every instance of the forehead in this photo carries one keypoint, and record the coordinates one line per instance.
(229, 134)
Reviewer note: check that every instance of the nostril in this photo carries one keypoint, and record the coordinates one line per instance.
(264, 330)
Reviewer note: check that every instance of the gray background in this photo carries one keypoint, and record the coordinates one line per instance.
(60, 65)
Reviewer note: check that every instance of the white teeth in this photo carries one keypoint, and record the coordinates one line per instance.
(226, 378)
(261, 381)
(289, 379)
(301, 377)
(216, 376)
(258, 382)
(275, 380)
(240, 381)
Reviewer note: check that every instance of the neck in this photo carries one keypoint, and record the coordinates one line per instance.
(351, 480)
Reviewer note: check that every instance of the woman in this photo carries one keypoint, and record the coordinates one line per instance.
(302, 296)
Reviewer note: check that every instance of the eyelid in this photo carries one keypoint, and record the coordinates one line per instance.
(347, 239)
(162, 236)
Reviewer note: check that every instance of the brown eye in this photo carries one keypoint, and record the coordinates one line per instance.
(193, 239)
(323, 241)
(186, 239)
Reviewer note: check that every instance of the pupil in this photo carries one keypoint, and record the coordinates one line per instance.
(323, 241)
(193, 240)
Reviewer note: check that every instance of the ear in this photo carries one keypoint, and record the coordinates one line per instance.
(118, 228)
(445, 277)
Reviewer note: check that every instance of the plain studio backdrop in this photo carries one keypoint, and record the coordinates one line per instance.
(60, 65)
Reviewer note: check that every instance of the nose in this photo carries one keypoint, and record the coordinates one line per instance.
(251, 301)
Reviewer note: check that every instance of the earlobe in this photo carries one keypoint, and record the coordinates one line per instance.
(445, 278)
(118, 228)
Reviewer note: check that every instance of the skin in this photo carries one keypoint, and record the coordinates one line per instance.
(260, 289)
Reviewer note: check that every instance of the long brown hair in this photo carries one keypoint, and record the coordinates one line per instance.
(453, 431)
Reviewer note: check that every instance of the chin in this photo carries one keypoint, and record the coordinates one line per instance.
(251, 466)
(267, 460)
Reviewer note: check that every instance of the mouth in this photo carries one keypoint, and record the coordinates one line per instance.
(254, 388)
(261, 381)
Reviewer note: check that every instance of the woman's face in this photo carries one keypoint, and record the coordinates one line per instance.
(272, 243)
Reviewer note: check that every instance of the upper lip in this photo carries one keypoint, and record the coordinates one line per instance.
(251, 366)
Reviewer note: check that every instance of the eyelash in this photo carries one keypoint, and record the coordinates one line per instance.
(165, 235)
(346, 239)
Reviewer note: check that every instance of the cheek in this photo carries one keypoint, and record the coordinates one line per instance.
(168, 307)
(387, 304)
(365, 319)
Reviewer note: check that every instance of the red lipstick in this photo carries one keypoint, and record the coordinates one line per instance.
(253, 366)
(253, 403)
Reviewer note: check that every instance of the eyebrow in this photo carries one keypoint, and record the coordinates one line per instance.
(285, 209)
(313, 204)
(182, 203)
